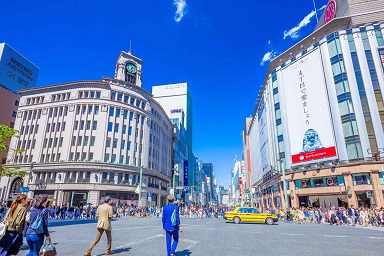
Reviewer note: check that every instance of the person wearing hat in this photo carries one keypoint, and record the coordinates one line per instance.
(104, 216)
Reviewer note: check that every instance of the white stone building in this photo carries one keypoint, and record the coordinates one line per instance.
(88, 139)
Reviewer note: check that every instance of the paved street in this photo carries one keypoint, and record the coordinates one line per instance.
(216, 237)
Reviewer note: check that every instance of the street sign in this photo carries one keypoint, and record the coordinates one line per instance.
(149, 194)
(24, 189)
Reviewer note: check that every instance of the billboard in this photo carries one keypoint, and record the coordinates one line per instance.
(16, 72)
(263, 136)
(309, 121)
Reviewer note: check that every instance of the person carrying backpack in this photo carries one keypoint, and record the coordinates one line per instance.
(171, 225)
(38, 227)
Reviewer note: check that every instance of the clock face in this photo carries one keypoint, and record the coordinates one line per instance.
(131, 68)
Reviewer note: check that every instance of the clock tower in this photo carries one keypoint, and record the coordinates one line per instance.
(128, 68)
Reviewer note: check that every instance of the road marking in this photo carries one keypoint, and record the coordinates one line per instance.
(136, 228)
(332, 236)
(375, 237)
(141, 241)
(290, 234)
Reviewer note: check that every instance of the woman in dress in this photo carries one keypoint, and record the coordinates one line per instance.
(35, 241)
(13, 238)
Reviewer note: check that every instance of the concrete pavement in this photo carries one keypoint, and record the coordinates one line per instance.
(217, 237)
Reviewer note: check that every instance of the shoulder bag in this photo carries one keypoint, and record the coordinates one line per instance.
(173, 217)
(37, 225)
(4, 224)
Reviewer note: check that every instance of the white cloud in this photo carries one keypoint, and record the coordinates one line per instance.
(269, 42)
(268, 57)
(180, 9)
(294, 32)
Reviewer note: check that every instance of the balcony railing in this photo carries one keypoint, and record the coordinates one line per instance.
(83, 180)
(164, 188)
(70, 180)
(50, 181)
(107, 181)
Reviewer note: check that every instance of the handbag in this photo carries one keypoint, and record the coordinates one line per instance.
(4, 225)
(48, 249)
(37, 225)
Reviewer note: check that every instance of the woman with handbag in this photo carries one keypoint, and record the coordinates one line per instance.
(38, 227)
(13, 239)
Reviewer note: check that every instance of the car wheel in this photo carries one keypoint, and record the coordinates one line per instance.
(269, 221)
(236, 220)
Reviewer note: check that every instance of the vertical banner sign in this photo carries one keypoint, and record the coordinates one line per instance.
(263, 135)
(310, 129)
(186, 173)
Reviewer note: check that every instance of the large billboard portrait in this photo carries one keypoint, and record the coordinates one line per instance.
(309, 121)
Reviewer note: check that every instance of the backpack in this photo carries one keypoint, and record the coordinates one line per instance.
(37, 225)
(173, 217)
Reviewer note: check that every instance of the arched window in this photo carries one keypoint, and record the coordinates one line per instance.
(16, 185)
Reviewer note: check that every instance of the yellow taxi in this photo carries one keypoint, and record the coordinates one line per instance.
(249, 214)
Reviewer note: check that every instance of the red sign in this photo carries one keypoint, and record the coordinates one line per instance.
(313, 155)
(330, 11)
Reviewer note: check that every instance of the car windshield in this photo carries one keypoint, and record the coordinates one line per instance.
(247, 210)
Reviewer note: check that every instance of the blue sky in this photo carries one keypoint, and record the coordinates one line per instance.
(220, 48)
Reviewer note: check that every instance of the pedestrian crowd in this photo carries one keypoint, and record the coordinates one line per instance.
(332, 215)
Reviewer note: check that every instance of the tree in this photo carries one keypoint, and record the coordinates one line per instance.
(9, 170)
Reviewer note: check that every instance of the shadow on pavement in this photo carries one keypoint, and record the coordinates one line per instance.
(118, 251)
(184, 253)
(59, 223)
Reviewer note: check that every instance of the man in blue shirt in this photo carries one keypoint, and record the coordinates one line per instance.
(171, 225)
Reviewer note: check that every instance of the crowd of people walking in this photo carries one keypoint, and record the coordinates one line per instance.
(332, 215)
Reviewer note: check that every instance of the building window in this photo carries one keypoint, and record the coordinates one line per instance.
(110, 125)
(106, 157)
(94, 125)
(108, 142)
(16, 103)
(114, 143)
(116, 127)
(96, 110)
(93, 138)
